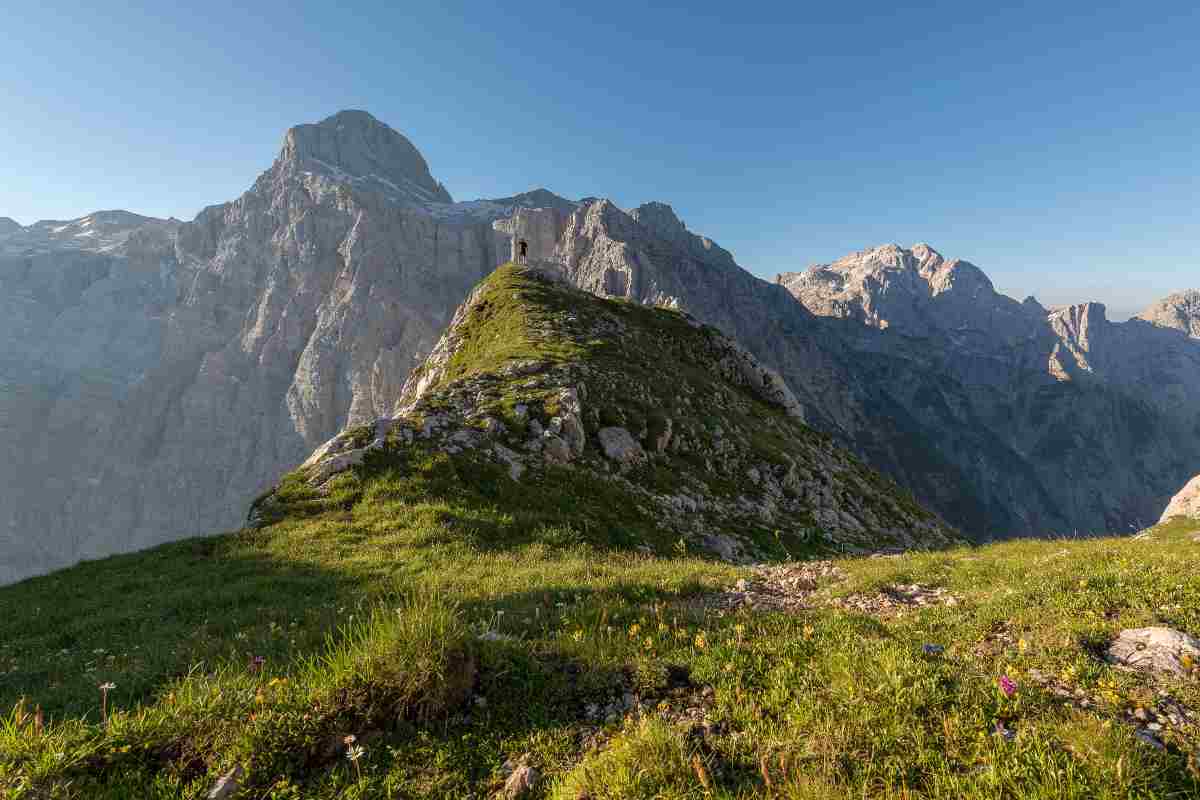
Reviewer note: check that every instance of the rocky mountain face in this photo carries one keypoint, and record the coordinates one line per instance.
(664, 415)
(1180, 311)
(160, 374)
(1101, 415)
(157, 374)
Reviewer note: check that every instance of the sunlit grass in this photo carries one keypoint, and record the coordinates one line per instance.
(546, 620)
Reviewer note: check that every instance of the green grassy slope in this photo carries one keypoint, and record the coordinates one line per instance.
(451, 619)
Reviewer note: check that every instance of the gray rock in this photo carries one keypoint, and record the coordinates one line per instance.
(521, 782)
(1156, 650)
(516, 467)
(539, 228)
(724, 545)
(1186, 503)
(1179, 312)
(620, 446)
(663, 439)
(227, 785)
(356, 145)
(569, 421)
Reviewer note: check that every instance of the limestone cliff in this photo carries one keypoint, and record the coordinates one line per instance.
(1184, 504)
(1180, 311)
(1103, 414)
(159, 374)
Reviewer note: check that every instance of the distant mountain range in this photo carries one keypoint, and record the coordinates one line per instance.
(159, 374)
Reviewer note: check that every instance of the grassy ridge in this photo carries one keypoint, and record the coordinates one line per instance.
(827, 703)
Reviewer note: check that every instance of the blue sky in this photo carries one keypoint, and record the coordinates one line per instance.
(1053, 144)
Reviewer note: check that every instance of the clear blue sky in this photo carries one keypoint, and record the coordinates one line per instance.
(1055, 145)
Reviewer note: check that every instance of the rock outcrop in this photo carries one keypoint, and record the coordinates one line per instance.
(1156, 650)
(1184, 504)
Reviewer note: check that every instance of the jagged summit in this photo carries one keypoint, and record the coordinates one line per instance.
(1180, 311)
(916, 290)
(354, 144)
(537, 198)
(100, 231)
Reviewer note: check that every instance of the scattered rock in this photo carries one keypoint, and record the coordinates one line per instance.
(1164, 717)
(228, 784)
(1156, 650)
(895, 600)
(519, 369)
(620, 446)
(779, 587)
(521, 782)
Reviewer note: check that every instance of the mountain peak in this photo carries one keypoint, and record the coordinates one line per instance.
(1180, 311)
(9, 225)
(537, 198)
(661, 219)
(915, 290)
(355, 144)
